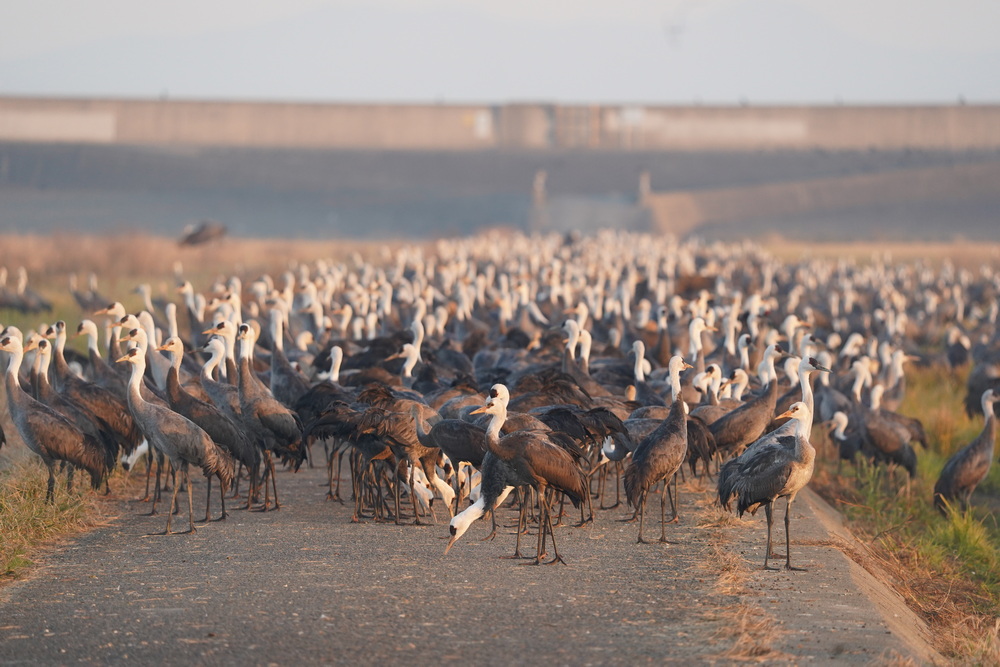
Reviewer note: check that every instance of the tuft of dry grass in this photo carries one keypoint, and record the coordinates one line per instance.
(752, 633)
(26, 520)
(28, 523)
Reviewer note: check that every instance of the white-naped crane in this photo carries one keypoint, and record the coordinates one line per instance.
(779, 465)
(535, 461)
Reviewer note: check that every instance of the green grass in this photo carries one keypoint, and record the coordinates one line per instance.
(27, 521)
(948, 567)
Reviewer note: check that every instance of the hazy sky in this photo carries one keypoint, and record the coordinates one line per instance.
(712, 51)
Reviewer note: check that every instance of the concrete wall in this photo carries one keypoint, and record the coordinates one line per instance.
(515, 126)
(680, 212)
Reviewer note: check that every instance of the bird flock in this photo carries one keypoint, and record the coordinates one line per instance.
(543, 369)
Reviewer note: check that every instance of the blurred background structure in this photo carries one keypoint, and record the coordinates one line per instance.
(336, 118)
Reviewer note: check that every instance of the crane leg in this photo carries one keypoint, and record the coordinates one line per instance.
(340, 462)
(170, 515)
(263, 480)
(328, 455)
(618, 485)
(548, 521)
(788, 548)
(642, 515)
(356, 489)
(543, 521)
(586, 508)
(274, 481)
(156, 489)
(149, 472)
(222, 498)
(187, 483)
(236, 478)
(674, 499)
(69, 478)
(522, 520)
(562, 512)
(768, 510)
(395, 489)
(208, 499)
(50, 487)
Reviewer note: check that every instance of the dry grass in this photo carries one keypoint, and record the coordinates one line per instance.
(746, 628)
(752, 633)
(27, 522)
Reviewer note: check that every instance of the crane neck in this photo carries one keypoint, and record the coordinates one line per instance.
(987, 405)
(807, 397)
(277, 331)
(14, 368)
(92, 341)
(640, 359)
(493, 430)
(675, 385)
(135, 379)
(210, 364)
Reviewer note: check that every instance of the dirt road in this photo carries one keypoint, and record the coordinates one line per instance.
(304, 585)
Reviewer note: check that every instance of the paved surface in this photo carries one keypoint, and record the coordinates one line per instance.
(304, 585)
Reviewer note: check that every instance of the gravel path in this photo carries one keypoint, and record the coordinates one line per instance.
(304, 585)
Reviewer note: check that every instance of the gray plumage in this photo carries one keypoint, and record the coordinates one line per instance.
(969, 466)
(777, 465)
(46, 432)
(180, 440)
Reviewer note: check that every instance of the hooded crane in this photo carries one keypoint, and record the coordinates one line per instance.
(45, 431)
(263, 414)
(221, 428)
(82, 419)
(533, 459)
(778, 465)
(183, 442)
(969, 466)
(660, 455)
(745, 424)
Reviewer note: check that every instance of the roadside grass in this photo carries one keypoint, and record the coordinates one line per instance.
(946, 567)
(27, 522)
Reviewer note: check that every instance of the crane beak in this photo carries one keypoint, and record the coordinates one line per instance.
(454, 538)
(686, 366)
(121, 359)
(30, 346)
(784, 415)
(708, 328)
(163, 348)
(822, 368)
(479, 410)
